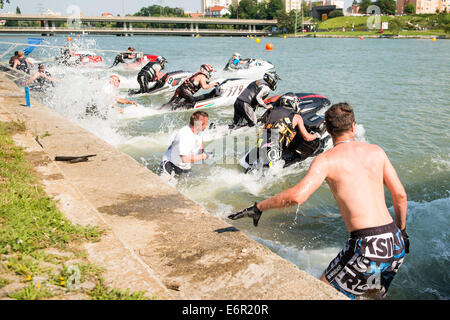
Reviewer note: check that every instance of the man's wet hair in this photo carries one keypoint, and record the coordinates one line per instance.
(196, 116)
(339, 118)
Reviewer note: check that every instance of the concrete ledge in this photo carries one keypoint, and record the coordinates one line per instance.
(158, 241)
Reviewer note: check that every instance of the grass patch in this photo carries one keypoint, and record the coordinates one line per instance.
(101, 292)
(4, 282)
(31, 292)
(30, 224)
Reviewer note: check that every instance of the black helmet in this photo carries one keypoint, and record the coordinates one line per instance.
(161, 60)
(290, 100)
(271, 78)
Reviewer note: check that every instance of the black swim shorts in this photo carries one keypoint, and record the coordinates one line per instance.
(370, 260)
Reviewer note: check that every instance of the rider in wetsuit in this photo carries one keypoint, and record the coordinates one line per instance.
(151, 73)
(42, 79)
(252, 97)
(22, 63)
(236, 62)
(120, 58)
(190, 86)
(284, 118)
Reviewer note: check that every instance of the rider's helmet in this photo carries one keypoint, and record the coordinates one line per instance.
(162, 61)
(271, 78)
(237, 55)
(41, 66)
(207, 70)
(290, 100)
(131, 49)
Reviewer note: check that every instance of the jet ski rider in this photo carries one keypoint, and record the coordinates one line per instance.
(151, 72)
(252, 97)
(236, 63)
(284, 118)
(120, 58)
(42, 78)
(190, 86)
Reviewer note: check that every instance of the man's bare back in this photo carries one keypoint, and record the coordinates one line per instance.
(355, 172)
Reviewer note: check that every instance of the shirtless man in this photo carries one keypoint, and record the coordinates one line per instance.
(356, 172)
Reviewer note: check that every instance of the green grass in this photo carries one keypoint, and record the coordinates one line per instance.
(4, 282)
(30, 224)
(101, 292)
(433, 23)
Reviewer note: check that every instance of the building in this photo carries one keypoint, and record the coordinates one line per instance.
(217, 3)
(338, 3)
(292, 5)
(424, 6)
(216, 12)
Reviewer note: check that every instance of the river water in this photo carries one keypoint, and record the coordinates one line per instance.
(401, 95)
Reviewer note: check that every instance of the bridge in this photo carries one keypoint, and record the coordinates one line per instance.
(183, 25)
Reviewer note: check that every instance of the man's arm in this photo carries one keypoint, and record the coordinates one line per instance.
(298, 121)
(299, 193)
(399, 197)
(259, 97)
(206, 85)
(124, 101)
(193, 158)
(32, 79)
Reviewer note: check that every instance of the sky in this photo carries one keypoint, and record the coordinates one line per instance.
(97, 7)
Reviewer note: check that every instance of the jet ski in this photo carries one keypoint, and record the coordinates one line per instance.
(224, 94)
(169, 82)
(78, 58)
(252, 66)
(268, 150)
(140, 61)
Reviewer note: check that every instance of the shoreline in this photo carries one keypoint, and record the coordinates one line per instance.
(158, 240)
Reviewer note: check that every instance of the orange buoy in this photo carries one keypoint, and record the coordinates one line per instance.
(69, 39)
(361, 38)
(269, 46)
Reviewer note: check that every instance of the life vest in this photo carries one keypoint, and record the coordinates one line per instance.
(281, 119)
(250, 93)
(23, 65)
(148, 68)
(44, 81)
(189, 84)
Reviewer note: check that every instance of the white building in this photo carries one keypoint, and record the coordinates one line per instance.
(292, 5)
(216, 3)
(338, 3)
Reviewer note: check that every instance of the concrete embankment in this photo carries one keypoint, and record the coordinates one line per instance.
(157, 240)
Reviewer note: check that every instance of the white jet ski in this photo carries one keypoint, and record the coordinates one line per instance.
(254, 67)
(169, 82)
(223, 95)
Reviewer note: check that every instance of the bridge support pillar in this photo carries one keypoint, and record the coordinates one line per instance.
(196, 27)
(192, 26)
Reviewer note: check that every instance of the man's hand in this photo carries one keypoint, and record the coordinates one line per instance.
(251, 212)
(269, 106)
(406, 239)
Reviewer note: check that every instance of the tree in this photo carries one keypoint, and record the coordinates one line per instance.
(410, 9)
(18, 10)
(2, 3)
(364, 5)
(386, 6)
(335, 13)
(273, 7)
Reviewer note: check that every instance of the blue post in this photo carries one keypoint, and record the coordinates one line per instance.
(27, 96)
